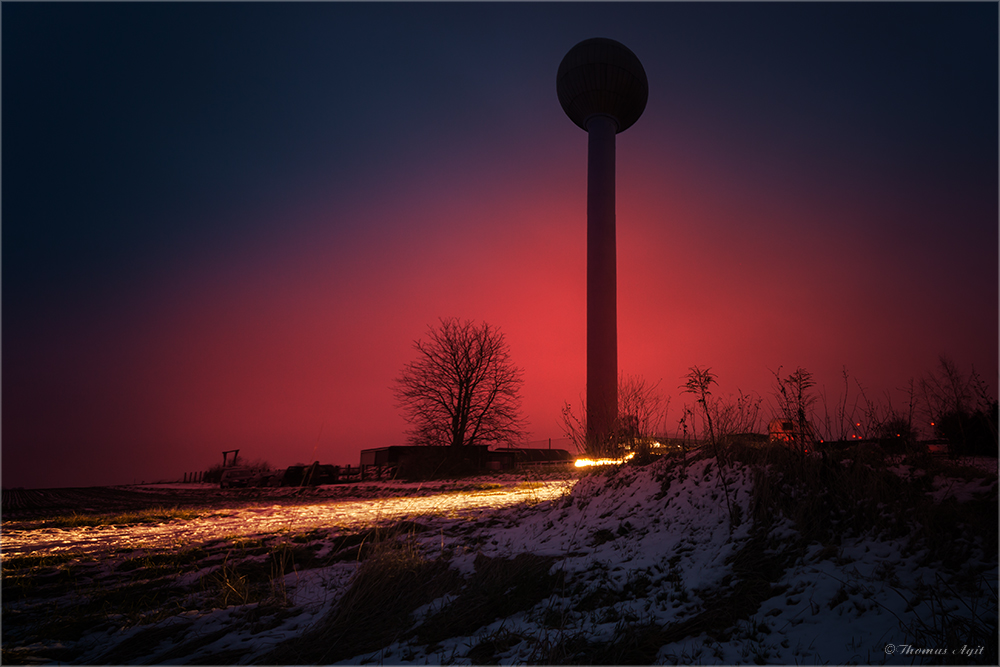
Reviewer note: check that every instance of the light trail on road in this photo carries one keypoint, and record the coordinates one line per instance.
(265, 519)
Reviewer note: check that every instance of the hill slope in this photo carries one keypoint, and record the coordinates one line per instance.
(809, 561)
(767, 558)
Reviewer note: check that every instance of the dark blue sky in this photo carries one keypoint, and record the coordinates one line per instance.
(224, 224)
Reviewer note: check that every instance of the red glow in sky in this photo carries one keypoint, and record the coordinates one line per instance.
(246, 255)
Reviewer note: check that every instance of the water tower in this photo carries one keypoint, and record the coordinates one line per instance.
(602, 88)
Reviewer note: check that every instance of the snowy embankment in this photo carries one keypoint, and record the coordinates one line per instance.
(766, 560)
(657, 567)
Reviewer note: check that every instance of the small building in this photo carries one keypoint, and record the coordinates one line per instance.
(419, 460)
(422, 460)
(791, 432)
(509, 459)
(382, 461)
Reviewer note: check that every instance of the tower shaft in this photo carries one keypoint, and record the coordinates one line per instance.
(602, 87)
(602, 281)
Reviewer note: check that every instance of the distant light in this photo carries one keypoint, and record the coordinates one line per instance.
(583, 463)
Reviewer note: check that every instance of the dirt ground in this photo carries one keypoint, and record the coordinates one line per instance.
(21, 504)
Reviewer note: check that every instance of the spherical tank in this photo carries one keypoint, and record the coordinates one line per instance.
(602, 76)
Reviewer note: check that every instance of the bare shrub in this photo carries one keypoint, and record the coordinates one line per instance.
(699, 382)
(839, 425)
(795, 404)
(736, 418)
(896, 432)
(257, 465)
(642, 413)
(214, 474)
(960, 408)
(575, 428)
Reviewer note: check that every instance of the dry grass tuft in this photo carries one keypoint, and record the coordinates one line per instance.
(499, 588)
(393, 581)
(153, 515)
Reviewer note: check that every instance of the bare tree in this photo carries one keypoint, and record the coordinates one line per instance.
(463, 388)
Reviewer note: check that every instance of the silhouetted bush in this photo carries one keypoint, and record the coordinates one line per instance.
(961, 408)
(213, 475)
(969, 433)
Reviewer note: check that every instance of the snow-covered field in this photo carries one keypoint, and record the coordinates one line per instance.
(673, 562)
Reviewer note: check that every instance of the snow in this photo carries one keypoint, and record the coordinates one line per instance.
(962, 490)
(666, 524)
(684, 524)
